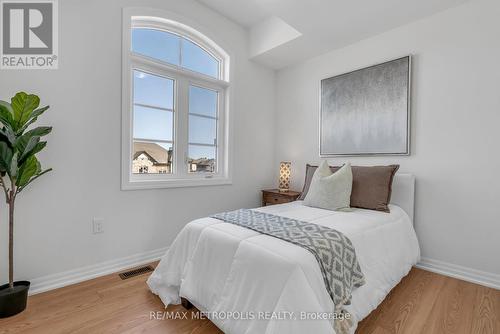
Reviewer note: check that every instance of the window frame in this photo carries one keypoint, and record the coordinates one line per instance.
(183, 78)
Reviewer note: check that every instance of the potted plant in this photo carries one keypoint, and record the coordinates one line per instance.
(19, 144)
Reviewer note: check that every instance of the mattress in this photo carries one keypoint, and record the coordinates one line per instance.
(247, 282)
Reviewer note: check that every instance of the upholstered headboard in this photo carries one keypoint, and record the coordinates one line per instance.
(403, 192)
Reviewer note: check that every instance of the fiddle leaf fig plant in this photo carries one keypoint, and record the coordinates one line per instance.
(19, 145)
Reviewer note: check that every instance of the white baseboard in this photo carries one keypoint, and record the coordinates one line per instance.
(467, 274)
(59, 280)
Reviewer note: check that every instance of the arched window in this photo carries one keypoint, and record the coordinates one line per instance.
(175, 93)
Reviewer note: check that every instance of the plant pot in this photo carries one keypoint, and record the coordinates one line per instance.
(13, 301)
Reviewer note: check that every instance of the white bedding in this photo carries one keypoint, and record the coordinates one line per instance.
(221, 267)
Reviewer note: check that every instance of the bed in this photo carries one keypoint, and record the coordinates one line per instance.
(254, 283)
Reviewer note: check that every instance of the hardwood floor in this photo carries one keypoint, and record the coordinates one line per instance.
(423, 302)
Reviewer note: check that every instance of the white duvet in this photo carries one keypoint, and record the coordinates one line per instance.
(253, 283)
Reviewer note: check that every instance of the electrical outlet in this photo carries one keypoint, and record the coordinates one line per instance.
(97, 225)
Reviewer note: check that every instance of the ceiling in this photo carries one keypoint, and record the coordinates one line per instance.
(284, 32)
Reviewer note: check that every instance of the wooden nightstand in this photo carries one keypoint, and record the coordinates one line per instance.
(274, 196)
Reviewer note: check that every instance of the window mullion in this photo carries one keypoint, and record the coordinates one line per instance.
(221, 132)
(181, 136)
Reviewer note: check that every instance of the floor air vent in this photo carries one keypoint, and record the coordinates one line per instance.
(136, 272)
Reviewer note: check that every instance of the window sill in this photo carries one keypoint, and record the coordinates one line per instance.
(173, 183)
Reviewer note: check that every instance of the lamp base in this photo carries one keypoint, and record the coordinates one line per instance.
(282, 190)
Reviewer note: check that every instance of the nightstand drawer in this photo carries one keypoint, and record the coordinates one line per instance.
(275, 199)
(274, 196)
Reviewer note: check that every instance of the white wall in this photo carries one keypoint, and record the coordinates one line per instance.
(269, 34)
(455, 125)
(53, 228)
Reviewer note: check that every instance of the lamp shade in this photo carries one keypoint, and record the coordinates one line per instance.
(285, 171)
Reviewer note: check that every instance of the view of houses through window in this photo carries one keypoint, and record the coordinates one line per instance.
(151, 158)
(153, 124)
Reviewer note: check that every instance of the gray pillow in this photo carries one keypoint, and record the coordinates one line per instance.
(328, 190)
(371, 185)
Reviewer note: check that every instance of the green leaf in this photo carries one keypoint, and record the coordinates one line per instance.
(8, 134)
(23, 106)
(32, 142)
(6, 105)
(6, 113)
(39, 131)
(30, 168)
(21, 188)
(5, 157)
(13, 166)
(39, 111)
(34, 116)
(23, 140)
(38, 147)
(29, 147)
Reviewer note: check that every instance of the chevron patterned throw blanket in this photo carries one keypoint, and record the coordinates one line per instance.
(333, 251)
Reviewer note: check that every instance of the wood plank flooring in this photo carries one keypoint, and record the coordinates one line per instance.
(423, 302)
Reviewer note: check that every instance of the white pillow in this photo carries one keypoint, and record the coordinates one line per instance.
(331, 191)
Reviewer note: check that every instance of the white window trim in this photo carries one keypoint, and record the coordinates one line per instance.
(171, 22)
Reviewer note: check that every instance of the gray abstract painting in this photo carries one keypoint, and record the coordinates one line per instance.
(366, 112)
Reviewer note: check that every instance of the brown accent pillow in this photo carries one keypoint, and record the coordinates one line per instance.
(371, 185)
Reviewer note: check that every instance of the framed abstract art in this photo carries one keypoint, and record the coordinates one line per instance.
(367, 111)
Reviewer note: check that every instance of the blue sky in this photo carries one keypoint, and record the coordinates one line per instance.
(166, 47)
